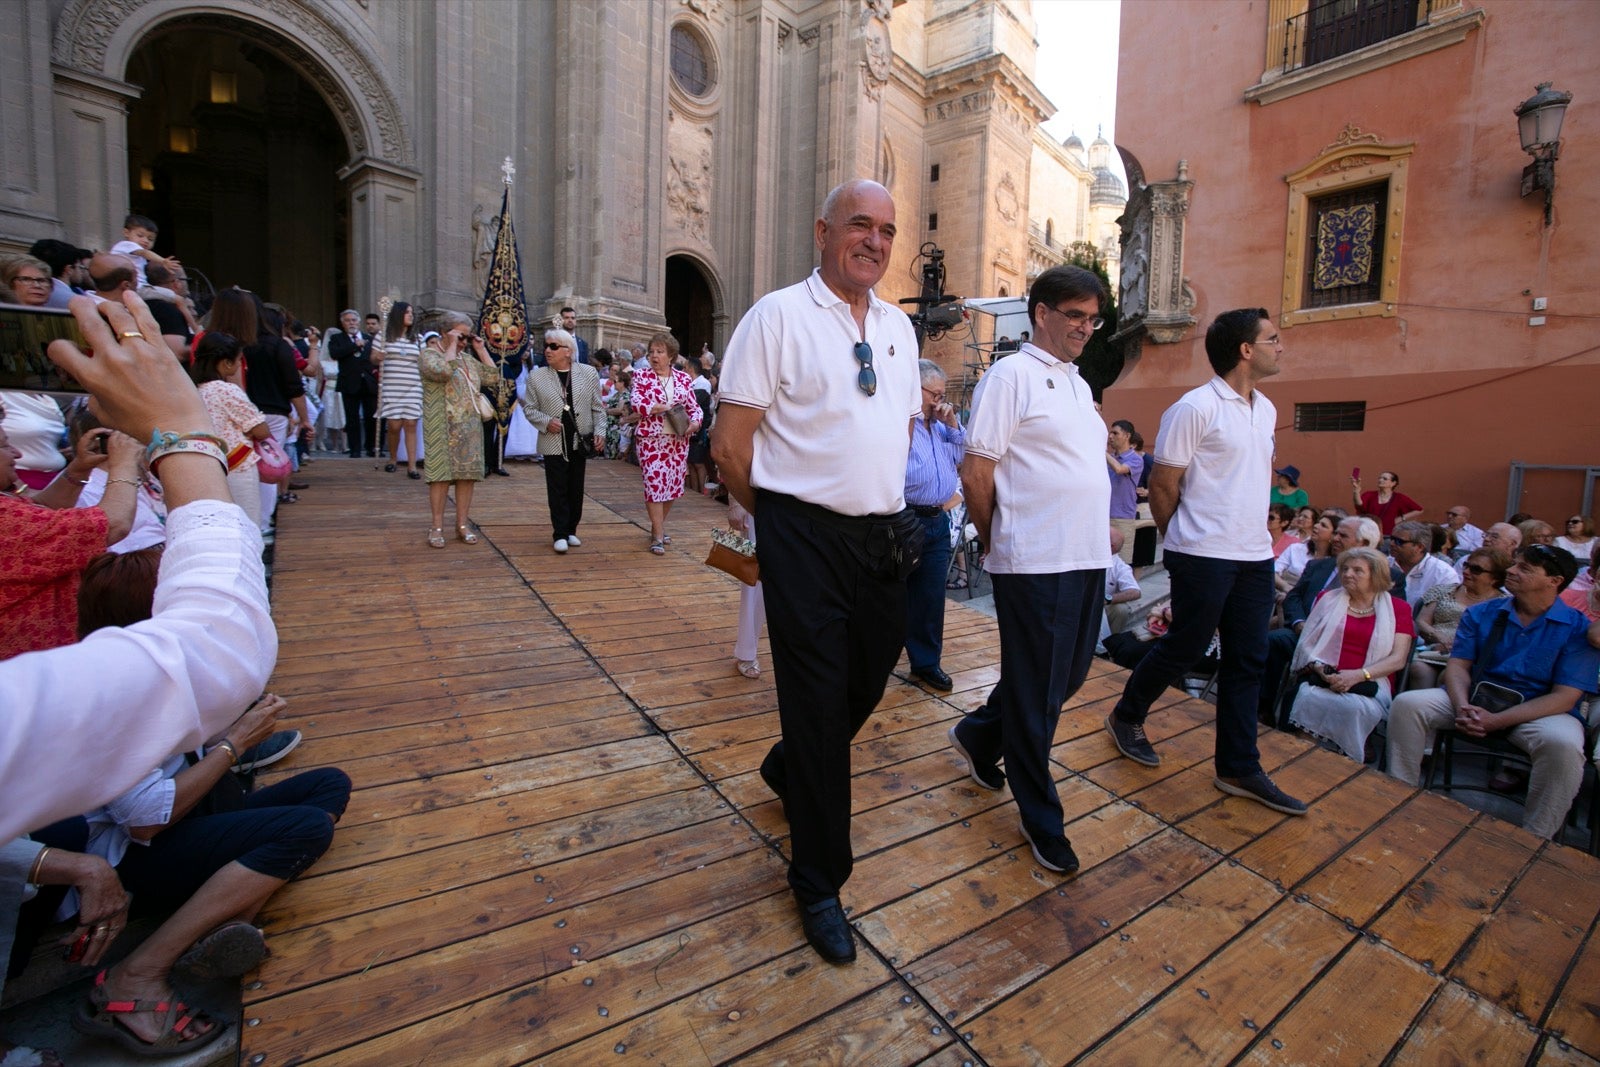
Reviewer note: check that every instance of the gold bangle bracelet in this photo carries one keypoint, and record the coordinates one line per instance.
(38, 862)
(233, 753)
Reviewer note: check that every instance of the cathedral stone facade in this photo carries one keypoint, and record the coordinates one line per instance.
(668, 155)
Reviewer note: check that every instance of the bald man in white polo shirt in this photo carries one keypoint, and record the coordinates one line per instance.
(1208, 492)
(819, 388)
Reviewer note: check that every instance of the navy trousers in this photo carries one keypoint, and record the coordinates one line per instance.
(1232, 599)
(925, 594)
(1049, 625)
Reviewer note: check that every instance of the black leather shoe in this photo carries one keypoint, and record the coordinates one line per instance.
(827, 931)
(934, 678)
(502, 472)
(772, 774)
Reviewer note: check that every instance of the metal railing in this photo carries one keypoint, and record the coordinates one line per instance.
(1331, 28)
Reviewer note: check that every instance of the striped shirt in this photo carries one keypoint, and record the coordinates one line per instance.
(936, 452)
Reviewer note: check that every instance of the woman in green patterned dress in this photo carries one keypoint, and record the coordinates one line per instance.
(452, 432)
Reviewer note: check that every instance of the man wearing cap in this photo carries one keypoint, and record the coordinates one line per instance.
(1286, 488)
(1519, 666)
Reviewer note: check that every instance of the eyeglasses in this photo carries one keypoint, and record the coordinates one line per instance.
(1544, 557)
(1452, 514)
(30, 280)
(1396, 542)
(1473, 568)
(1076, 319)
(551, 346)
(937, 395)
(1574, 522)
(867, 380)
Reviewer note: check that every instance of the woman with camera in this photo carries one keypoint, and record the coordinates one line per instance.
(562, 401)
(1357, 636)
(452, 429)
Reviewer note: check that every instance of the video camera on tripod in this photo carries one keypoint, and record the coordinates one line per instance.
(936, 311)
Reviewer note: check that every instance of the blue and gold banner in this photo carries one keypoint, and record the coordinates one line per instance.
(1344, 246)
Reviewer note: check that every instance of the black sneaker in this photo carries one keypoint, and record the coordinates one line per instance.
(987, 775)
(1131, 741)
(271, 750)
(1053, 853)
(1259, 787)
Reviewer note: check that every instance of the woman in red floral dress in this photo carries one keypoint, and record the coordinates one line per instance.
(663, 456)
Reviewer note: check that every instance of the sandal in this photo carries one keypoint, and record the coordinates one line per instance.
(748, 667)
(436, 537)
(666, 539)
(228, 951)
(657, 548)
(466, 535)
(288, 498)
(958, 582)
(98, 1018)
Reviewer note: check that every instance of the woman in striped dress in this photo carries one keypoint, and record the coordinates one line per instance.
(399, 385)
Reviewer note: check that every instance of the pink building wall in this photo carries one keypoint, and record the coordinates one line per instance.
(1457, 384)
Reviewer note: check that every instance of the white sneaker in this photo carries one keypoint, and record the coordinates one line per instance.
(561, 545)
(572, 539)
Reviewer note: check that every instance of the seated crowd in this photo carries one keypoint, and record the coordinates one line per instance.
(132, 667)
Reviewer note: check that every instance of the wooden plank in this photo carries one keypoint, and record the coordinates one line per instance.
(1203, 1019)
(909, 929)
(1366, 876)
(1065, 1012)
(1439, 911)
(1460, 1027)
(1576, 1013)
(328, 1017)
(1552, 905)
(1349, 1015)
(887, 1025)
(968, 976)
(1555, 1053)
(1295, 848)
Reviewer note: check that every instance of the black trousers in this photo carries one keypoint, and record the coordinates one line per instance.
(1049, 625)
(361, 421)
(563, 483)
(492, 460)
(836, 628)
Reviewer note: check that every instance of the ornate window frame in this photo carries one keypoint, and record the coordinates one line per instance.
(1354, 159)
(705, 105)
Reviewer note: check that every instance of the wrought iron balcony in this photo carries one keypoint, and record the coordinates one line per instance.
(1331, 28)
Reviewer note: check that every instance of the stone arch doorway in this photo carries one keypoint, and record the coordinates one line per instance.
(692, 308)
(236, 156)
(324, 52)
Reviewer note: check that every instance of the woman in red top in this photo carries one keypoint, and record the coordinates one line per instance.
(1357, 636)
(1386, 504)
(49, 541)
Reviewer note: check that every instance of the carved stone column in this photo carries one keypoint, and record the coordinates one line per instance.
(1156, 301)
(91, 119)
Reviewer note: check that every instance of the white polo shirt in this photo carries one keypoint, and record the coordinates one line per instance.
(1224, 443)
(822, 439)
(1034, 416)
(1424, 576)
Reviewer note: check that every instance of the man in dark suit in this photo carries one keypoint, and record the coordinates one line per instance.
(1318, 575)
(569, 322)
(358, 382)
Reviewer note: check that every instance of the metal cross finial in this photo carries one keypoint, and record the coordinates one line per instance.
(508, 170)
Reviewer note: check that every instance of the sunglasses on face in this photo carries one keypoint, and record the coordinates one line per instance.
(552, 346)
(1473, 568)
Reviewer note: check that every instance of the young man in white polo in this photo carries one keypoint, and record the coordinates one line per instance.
(1208, 492)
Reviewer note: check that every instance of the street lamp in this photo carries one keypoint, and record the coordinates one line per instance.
(1539, 126)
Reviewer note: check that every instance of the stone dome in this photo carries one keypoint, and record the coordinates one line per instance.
(1107, 188)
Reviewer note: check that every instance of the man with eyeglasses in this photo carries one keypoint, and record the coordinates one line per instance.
(1211, 485)
(1501, 535)
(1518, 667)
(1410, 546)
(932, 487)
(1468, 537)
(1036, 489)
(819, 389)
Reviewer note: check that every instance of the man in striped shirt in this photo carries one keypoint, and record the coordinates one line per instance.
(937, 444)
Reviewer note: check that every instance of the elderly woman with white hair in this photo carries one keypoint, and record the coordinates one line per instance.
(562, 401)
(1357, 636)
(452, 430)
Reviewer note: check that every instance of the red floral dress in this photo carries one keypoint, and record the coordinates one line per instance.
(46, 551)
(663, 458)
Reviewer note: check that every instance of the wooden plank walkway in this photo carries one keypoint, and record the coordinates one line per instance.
(559, 849)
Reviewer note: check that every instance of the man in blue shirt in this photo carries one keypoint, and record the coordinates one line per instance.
(937, 443)
(1125, 467)
(1530, 646)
